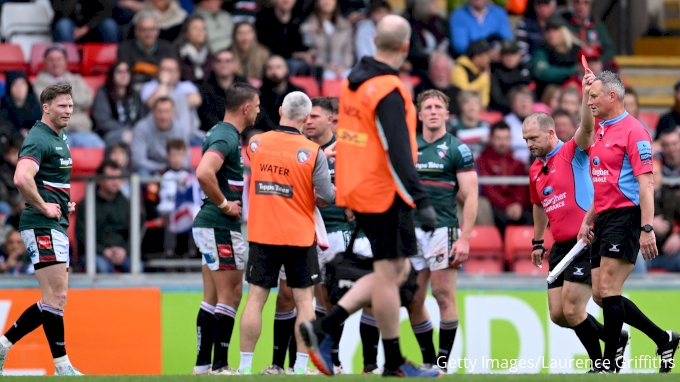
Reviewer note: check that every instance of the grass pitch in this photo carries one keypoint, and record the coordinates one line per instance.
(361, 378)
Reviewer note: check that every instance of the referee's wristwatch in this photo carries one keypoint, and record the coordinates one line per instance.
(647, 228)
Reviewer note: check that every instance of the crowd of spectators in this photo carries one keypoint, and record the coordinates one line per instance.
(176, 58)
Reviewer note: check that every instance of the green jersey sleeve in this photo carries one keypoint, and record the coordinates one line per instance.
(462, 158)
(31, 150)
(220, 147)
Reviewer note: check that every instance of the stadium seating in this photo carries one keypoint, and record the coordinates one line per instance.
(331, 88)
(25, 19)
(195, 152)
(518, 246)
(86, 161)
(651, 119)
(490, 117)
(38, 59)
(484, 266)
(95, 82)
(12, 58)
(308, 84)
(97, 58)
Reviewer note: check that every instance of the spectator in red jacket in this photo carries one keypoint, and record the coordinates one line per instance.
(510, 203)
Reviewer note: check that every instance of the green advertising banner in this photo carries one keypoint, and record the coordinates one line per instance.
(499, 332)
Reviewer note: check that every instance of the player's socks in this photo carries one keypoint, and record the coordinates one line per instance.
(336, 335)
(370, 337)
(29, 321)
(638, 320)
(292, 349)
(586, 331)
(447, 335)
(614, 315)
(598, 326)
(53, 325)
(284, 328)
(205, 330)
(424, 332)
(393, 357)
(246, 362)
(334, 319)
(224, 325)
(301, 360)
(320, 312)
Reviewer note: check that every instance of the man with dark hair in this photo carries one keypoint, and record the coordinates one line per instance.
(623, 214)
(214, 89)
(470, 70)
(112, 221)
(510, 203)
(275, 87)
(217, 229)
(43, 178)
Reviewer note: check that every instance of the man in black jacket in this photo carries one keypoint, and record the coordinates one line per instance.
(507, 74)
(84, 21)
(275, 87)
(213, 90)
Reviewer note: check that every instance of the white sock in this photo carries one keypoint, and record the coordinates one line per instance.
(202, 368)
(4, 342)
(62, 363)
(301, 361)
(246, 361)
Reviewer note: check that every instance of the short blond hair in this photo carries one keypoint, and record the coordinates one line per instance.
(432, 93)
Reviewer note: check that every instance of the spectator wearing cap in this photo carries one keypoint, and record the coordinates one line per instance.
(84, 20)
(439, 77)
(145, 51)
(477, 20)
(218, 24)
(429, 33)
(530, 29)
(507, 74)
(79, 129)
(365, 30)
(671, 120)
(592, 56)
(554, 61)
(592, 32)
(470, 70)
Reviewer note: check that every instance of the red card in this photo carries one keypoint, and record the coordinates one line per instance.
(584, 61)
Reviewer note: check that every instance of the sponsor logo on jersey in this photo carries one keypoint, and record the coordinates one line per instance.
(645, 151)
(353, 138)
(579, 271)
(303, 155)
(555, 202)
(599, 175)
(254, 145)
(209, 257)
(66, 162)
(276, 189)
(609, 142)
(430, 166)
(44, 242)
(442, 150)
(224, 250)
(32, 252)
(547, 191)
(596, 161)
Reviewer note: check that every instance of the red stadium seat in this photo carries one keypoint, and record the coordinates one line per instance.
(78, 196)
(658, 270)
(518, 243)
(526, 267)
(651, 119)
(195, 152)
(490, 117)
(484, 266)
(331, 88)
(86, 161)
(77, 191)
(12, 58)
(308, 84)
(97, 58)
(38, 61)
(486, 242)
(95, 82)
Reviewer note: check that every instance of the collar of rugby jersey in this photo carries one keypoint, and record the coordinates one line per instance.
(610, 122)
(552, 153)
(289, 130)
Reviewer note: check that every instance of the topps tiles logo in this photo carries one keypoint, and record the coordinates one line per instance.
(275, 189)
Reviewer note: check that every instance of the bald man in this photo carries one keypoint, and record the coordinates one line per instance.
(376, 178)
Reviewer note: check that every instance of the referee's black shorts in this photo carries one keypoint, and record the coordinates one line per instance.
(617, 235)
(578, 271)
(265, 261)
(392, 233)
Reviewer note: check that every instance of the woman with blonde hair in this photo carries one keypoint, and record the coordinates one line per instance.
(555, 60)
(250, 55)
(170, 16)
